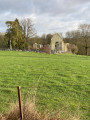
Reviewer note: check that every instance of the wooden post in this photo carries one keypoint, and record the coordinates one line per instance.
(20, 102)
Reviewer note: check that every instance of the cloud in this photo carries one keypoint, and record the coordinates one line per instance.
(57, 7)
(49, 16)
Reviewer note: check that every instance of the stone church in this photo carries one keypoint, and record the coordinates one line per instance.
(57, 44)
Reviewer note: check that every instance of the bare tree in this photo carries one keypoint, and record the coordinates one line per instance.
(81, 38)
(28, 28)
(84, 30)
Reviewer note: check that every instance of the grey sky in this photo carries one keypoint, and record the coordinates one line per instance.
(49, 16)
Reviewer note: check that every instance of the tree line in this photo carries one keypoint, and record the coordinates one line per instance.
(21, 35)
(80, 38)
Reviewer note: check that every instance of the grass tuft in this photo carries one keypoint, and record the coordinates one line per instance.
(30, 112)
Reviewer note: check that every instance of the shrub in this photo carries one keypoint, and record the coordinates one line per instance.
(73, 48)
(46, 49)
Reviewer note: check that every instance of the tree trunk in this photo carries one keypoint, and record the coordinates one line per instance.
(10, 45)
(86, 48)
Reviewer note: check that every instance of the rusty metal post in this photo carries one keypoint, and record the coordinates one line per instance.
(20, 102)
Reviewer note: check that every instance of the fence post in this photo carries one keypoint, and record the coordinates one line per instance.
(20, 102)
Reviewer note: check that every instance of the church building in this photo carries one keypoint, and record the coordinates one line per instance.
(57, 44)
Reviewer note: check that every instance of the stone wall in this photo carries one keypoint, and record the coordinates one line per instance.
(55, 38)
(58, 39)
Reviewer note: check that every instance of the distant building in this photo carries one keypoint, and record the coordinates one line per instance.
(57, 44)
(37, 46)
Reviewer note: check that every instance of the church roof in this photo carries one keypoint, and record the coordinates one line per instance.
(57, 35)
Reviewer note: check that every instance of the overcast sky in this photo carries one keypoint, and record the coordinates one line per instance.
(49, 16)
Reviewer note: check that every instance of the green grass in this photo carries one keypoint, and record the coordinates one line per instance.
(63, 81)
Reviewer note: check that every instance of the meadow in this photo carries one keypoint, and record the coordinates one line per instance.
(56, 81)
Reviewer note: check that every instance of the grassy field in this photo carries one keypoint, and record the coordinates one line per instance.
(59, 81)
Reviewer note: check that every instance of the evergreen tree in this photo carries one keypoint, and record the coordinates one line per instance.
(14, 35)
